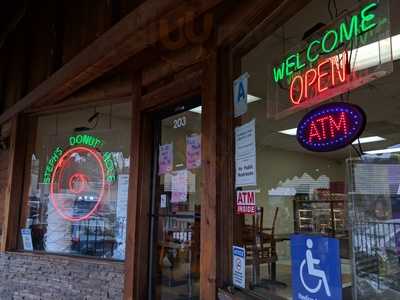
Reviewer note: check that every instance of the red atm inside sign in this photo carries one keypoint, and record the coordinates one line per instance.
(246, 202)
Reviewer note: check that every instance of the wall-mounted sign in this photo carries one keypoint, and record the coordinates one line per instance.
(78, 177)
(331, 126)
(239, 267)
(165, 158)
(245, 154)
(246, 202)
(26, 234)
(341, 56)
(193, 151)
(316, 268)
(240, 88)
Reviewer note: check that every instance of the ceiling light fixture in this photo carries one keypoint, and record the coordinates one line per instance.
(382, 151)
(291, 131)
(369, 139)
(250, 99)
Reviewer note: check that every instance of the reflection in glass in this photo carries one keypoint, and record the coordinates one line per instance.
(176, 221)
(79, 183)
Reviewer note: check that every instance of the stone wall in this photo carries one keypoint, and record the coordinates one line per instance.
(48, 277)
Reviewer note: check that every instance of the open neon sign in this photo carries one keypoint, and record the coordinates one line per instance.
(78, 177)
(329, 73)
(330, 40)
(335, 60)
(331, 127)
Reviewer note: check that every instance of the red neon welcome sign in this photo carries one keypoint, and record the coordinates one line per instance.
(329, 73)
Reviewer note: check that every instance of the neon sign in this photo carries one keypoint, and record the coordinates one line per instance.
(351, 51)
(329, 73)
(85, 139)
(331, 127)
(78, 177)
(330, 40)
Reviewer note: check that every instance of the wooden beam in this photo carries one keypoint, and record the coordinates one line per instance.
(173, 62)
(279, 13)
(186, 83)
(131, 35)
(31, 128)
(225, 161)
(244, 16)
(77, 104)
(208, 230)
(14, 187)
(115, 90)
(133, 192)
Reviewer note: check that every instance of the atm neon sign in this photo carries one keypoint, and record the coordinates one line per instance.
(331, 127)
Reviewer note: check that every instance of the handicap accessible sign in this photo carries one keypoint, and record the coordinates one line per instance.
(239, 267)
(316, 271)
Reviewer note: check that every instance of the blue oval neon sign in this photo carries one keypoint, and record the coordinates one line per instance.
(331, 127)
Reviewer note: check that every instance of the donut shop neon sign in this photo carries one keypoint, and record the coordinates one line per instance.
(78, 177)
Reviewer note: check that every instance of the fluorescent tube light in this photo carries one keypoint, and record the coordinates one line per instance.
(369, 139)
(382, 151)
(196, 110)
(250, 99)
(376, 53)
(292, 131)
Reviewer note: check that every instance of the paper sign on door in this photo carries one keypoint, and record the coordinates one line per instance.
(246, 202)
(165, 159)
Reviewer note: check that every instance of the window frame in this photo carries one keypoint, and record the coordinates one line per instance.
(29, 121)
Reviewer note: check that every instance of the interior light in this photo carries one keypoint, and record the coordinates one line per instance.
(250, 99)
(382, 151)
(374, 54)
(196, 110)
(369, 139)
(291, 131)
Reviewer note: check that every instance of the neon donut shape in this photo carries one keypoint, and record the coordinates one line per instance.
(100, 197)
(82, 183)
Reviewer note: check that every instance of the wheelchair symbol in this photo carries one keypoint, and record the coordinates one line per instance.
(311, 263)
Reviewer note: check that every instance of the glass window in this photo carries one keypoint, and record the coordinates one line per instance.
(176, 208)
(79, 183)
(349, 195)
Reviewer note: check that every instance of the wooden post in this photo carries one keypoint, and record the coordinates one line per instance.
(133, 194)
(226, 183)
(208, 231)
(14, 188)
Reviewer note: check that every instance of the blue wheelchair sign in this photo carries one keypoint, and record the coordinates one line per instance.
(316, 268)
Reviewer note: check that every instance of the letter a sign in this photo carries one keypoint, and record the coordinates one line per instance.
(240, 94)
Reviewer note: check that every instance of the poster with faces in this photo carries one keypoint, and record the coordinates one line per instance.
(193, 151)
(165, 159)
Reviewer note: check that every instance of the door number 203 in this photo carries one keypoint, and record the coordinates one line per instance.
(180, 122)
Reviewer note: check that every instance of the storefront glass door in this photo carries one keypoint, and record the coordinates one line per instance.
(175, 216)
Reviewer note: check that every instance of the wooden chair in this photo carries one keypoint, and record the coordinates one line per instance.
(259, 243)
(267, 237)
